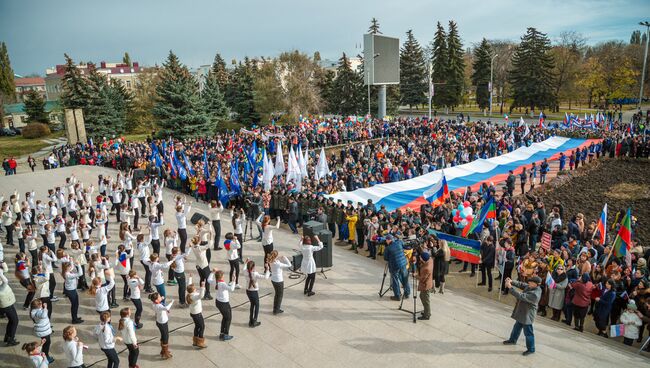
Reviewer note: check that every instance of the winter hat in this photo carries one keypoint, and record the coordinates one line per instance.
(631, 305)
(425, 256)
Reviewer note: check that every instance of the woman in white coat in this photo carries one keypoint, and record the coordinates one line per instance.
(308, 264)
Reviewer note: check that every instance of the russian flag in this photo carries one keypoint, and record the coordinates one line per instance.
(541, 120)
(602, 225)
(616, 330)
(550, 283)
(122, 259)
(438, 193)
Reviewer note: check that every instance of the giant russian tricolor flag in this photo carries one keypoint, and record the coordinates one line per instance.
(409, 193)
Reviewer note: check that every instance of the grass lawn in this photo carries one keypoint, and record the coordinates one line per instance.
(18, 146)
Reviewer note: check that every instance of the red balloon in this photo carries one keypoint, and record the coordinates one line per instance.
(466, 203)
(469, 218)
(457, 218)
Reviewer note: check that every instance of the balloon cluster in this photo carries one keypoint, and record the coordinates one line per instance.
(463, 215)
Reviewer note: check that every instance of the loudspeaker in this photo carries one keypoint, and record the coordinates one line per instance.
(197, 216)
(296, 261)
(310, 228)
(137, 175)
(323, 257)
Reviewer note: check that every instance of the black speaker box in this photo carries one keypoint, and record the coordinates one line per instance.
(310, 228)
(323, 257)
(296, 261)
(197, 216)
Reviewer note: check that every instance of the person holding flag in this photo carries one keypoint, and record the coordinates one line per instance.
(489, 211)
(438, 193)
(601, 227)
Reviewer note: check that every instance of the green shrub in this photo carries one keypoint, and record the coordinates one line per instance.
(36, 130)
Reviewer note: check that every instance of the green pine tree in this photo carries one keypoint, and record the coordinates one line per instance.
(347, 89)
(531, 76)
(178, 107)
(243, 102)
(35, 108)
(413, 83)
(456, 67)
(220, 72)
(213, 98)
(76, 90)
(481, 74)
(374, 26)
(325, 82)
(104, 114)
(7, 85)
(126, 59)
(440, 65)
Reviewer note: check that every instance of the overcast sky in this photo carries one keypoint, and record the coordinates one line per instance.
(38, 32)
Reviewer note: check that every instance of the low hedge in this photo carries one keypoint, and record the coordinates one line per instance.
(36, 130)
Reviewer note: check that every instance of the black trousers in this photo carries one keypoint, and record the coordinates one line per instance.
(216, 224)
(62, 239)
(240, 239)
(126, 292)
(486, 270)
(46, 345)
(147, 276)
(30, 294)
(182, 235)
(234, 269)
(74, 302)
(155, 245)
(199, 324)
(52, 285)
(12, 322)
(226, 313)
(136, 217)
(180, 279)
(134, 352)
(164, 332)
(113, 359)
(254, 298)
(267, 250)
(279, 293)
(138, 310)
(10, 234)
(204, 273)
(309, 282)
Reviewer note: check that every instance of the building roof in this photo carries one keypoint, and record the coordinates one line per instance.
(19, 108)
(38, 81)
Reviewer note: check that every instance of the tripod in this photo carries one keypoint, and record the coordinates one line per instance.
(249, 225)
(383, 292)
(414, 283)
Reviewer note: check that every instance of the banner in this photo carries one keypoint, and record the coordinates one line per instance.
(546, 240)
(463, 249)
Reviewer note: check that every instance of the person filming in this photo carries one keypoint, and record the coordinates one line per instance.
(394, 255)
(525, 310)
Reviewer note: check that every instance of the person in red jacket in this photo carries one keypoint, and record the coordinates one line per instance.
(12, 165)
(581, 300)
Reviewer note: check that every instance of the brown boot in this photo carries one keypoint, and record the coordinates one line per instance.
(200, 343)
(165, 352)
(194, 338)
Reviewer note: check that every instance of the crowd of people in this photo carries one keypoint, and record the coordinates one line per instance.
(587, 278)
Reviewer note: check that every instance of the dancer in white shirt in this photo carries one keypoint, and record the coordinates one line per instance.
(252, 290)
(216, 208)
(193, 299)
(277, 278)
(106, 338)
(223, 302)
(73, 348)
(308, 265)
(232, 246)
(267, 233)
(127, 327)
(135, 284)
(162, 317)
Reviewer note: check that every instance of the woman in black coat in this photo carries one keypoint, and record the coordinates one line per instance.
(604, 307)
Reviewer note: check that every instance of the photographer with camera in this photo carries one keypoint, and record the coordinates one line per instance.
(525, 310)
(425, 282)
(394, 255)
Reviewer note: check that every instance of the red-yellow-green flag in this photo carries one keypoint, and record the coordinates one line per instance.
(489, 211)
(623, 242)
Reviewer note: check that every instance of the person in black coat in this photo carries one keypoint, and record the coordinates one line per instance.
(487, 261)
(604, 307)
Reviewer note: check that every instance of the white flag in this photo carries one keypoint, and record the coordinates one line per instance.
(521, 121)
(279, 160)
(293, 169)
(526, 131)
(302, 162)
(267, 171)
(322, 169)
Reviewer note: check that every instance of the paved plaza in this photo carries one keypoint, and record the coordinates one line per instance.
(346, 324)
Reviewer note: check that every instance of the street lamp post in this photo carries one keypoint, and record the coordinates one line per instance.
(491, 85)
(645, 59)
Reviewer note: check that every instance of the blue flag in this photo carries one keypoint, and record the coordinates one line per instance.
(206, 169)
(224, 194)
(187, 164)
(235, 187)
(182, 173)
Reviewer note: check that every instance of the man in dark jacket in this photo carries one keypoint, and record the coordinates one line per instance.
(525, 310)
(487, 261)
(394, 254)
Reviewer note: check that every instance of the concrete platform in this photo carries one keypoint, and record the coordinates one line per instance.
(346, 324)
